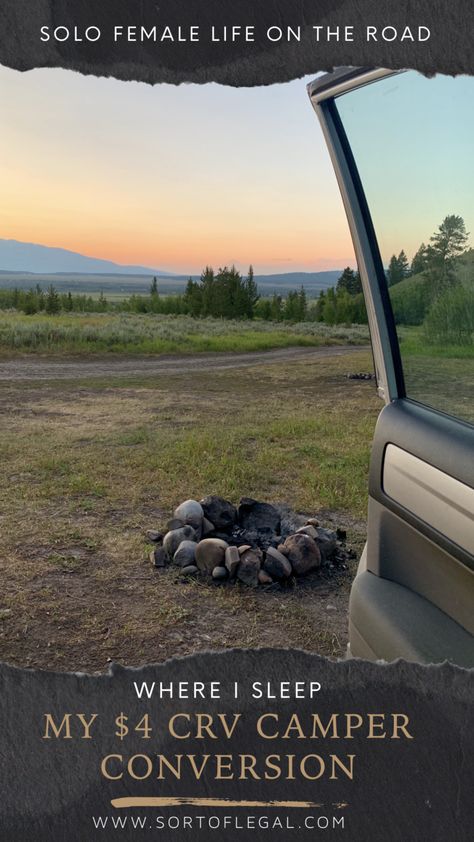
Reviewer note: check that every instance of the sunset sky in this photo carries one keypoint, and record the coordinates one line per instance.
(179, 177)
(169, 177)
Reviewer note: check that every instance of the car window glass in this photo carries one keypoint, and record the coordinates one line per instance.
(412, 140)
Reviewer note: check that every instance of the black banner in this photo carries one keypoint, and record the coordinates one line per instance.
(243, 43)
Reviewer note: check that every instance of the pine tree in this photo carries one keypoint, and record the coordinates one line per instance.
(276, 308)
(450, 240)
(52, 304)
(319, 309)
(398, 269)
(403, 264)
(420, 261)
(30, 306)
(207, 283)
(447, 244)
(251, 290)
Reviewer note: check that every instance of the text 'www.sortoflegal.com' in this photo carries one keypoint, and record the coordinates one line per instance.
(192, 823)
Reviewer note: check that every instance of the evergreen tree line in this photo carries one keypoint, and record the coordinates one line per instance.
(37, 300)
(228, 294)
(437, 279)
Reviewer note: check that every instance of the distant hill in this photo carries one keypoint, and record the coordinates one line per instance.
(24, 265)
(412, 298)
(313, 282)
(16, 256)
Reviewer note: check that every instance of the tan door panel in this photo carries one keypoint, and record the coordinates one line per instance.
(439, 500)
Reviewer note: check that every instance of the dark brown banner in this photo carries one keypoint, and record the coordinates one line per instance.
(262, 744)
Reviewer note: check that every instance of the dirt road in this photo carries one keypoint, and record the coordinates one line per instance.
(62, 368)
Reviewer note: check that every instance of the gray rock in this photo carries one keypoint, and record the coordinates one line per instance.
(327, 543)
(303, 553)
(172, 539)
(154, 536)
(159, 557)
(260, 516)
(190, 570)
(190, 512)
(185, 554)
(210, 553)
(219, 573)
(249, 568)
(219, 511)
(175, 523)
(276, 564)
(308, 530)
(207, 527)
(232, 560)
(312, 521)
(264, 578)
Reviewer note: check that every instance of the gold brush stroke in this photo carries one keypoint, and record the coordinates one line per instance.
(163, 801)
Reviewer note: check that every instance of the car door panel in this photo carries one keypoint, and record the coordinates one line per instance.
(413, 595)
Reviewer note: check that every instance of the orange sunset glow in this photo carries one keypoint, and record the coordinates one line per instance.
(169, 177)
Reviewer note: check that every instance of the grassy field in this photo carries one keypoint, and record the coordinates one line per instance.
(157, 334)
(440, 376)
(89, 466)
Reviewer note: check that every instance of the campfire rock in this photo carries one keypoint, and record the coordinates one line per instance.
(154, 536)
(303, 553)
(308, 530)
(219, 512)
(158, 557)
(207, 527)
(249, 568)
(244, 547)
(174, 537)
(190, 512)
(276, 564)
(185, 554)
(190, 570)
(327, 543)
(232, 560)
(259, 543)
(210, 553)
(175, 523)
(260, 516)
(219, 573)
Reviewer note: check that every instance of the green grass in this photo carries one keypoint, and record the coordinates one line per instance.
(437, 375)
(413, 343)
(157, 334)
(89, 467)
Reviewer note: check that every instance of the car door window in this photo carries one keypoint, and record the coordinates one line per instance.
(412, 141)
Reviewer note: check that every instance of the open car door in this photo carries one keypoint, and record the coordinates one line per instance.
(402, 149)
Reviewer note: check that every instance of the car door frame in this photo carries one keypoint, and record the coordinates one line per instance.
(387, 362)
(405, 422)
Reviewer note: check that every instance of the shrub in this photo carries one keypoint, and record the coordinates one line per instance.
(450, 320)
(411, 300)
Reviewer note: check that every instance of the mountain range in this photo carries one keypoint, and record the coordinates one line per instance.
(25, 264)
(16, 256)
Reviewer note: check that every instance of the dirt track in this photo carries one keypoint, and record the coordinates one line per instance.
(47, 368)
